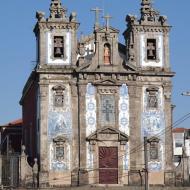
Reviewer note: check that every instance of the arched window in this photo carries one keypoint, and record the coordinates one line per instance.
(107, 54)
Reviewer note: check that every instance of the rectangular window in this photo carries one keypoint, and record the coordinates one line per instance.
(178, 145)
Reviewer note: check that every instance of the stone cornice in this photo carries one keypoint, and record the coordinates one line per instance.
(148, 28)
(42, 25)
(55, 70)
(153, 73)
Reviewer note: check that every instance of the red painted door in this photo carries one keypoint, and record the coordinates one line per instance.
(108, 165)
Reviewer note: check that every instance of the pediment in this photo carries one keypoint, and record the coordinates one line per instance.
(106, 82)
(108, 134)
(153, 140)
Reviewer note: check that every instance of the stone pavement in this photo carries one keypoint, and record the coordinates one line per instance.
(114, 188)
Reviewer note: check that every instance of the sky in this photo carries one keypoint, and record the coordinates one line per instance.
(18, 48)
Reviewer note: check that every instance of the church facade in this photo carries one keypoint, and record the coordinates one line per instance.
(89, 102)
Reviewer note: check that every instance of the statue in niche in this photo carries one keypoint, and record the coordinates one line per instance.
(107, 54)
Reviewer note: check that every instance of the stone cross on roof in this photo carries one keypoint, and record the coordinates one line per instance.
(56, 10)
(107, 18)
(97, 11)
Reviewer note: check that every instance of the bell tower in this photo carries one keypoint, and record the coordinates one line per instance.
(147, 48)
(147, 39)
(56, 36)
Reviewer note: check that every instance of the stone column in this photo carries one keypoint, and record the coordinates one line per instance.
(82, 126)
(135, 94)
(168, 137)
(75, 145)
(44, 162)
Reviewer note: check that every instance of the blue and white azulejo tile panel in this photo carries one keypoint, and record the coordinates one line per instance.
(153, 125)
(60, 125)
(90, 109)
(124, 109)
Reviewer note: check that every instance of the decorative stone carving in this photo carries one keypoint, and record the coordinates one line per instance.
(168, 95)
(73, 17)
(152, 102)
(59, 149)
(57, 11)
(58, 96)
(107, 90)
(131, 19)
(40, 16)
(163, 19)
(148, 13)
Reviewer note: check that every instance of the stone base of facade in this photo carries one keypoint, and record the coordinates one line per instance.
(169, 178)
(135, 178)
(156, 178)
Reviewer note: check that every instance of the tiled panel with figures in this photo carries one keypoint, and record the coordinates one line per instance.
(153, 124)
(59, 127)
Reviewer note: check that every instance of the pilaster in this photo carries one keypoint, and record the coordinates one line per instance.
(44, 162)
(168, 129)
(82, 132)
(135, 142)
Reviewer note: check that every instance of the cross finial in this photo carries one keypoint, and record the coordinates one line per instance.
(97, 11)
(107, 18)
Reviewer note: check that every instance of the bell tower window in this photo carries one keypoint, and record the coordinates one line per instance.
(107, 54)
(151, 49)
(58, 50)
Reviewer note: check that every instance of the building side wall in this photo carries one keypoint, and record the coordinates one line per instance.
(29, 121)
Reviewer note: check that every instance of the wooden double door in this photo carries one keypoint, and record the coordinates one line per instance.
(108, 165)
